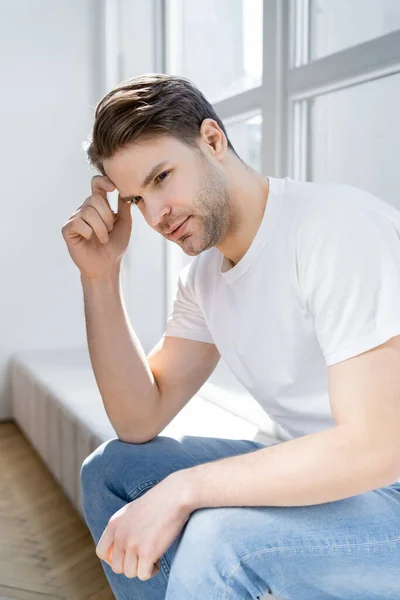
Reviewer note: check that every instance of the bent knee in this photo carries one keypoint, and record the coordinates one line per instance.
(96, 465)
(113, 456)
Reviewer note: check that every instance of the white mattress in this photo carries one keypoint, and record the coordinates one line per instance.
(57, 404)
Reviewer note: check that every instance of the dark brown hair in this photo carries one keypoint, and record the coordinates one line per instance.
(145, 107)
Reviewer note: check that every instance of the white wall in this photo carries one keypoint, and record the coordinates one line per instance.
(48, 86)
(51, 74)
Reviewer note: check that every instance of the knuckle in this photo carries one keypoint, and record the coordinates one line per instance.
(96, 180)
(99, 183)
(102, 205)
(132, 546)
(119, 537)
(84, 203)
(92, 215)
(146, 553)
(86, 200)
(88, 208)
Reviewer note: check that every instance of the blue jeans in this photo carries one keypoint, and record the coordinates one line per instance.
(346, 549)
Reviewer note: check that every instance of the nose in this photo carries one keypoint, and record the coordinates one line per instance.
(155, 212)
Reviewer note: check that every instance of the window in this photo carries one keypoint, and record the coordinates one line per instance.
(341, 24)
(229, 34)
(343, 90)
(344, 149)
(305, 88)
(245, 135)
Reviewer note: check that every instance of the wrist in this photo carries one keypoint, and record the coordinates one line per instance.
(106, 278)
(185, 483)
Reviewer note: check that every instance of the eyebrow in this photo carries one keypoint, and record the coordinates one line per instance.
(148, 179)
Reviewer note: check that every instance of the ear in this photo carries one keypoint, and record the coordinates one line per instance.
(214, 138)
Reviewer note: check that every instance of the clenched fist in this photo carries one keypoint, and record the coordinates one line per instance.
(96, 237)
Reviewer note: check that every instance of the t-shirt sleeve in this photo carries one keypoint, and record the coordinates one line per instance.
(349, 277)
(187, 319)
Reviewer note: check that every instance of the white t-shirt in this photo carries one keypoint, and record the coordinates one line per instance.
(319, 284)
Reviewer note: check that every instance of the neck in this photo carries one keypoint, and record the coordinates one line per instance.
(248, 199)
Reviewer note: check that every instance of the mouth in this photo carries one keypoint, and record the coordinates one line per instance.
(179, 231)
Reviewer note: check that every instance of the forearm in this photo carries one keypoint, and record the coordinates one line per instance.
(320, 467)
(126, 383)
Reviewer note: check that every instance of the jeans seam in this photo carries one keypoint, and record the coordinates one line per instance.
(297, 548)
(232, 573)
(134, 494)
(325, 547)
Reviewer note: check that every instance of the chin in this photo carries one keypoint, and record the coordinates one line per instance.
(194, 251)
(190, 251)
(188, 248)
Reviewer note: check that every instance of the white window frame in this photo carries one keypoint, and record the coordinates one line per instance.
(304, 80)
(289, 83)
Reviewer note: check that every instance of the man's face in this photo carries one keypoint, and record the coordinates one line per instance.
(187, 186)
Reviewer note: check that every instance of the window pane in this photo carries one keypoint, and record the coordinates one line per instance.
(218, 45)
(339, 24)
(355, 137)
(245, 135)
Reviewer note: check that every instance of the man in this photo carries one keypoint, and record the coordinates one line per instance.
(297, 285)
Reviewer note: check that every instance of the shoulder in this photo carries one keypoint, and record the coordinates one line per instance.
(336, 218)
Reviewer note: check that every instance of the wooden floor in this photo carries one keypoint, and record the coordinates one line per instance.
(46, 551)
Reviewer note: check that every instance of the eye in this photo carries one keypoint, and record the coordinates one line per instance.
(157, 180)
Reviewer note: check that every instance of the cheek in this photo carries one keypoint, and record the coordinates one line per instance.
(179, 201)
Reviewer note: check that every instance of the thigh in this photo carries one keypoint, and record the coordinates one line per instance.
(343, 550)
(133, 468)
(118, 472)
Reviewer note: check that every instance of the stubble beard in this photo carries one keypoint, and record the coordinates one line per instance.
(214, 218)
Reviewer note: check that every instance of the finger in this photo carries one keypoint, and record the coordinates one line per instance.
(117, 558)
(124, 209)
(77, 228)
(109, 555)
(105, 544)
(103, 208)
(130, 563)
(101, 184)
(146, 568)
(90, 215)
